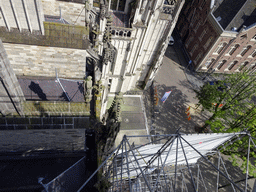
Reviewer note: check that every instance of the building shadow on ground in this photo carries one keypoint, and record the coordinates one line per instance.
(170, 115)
(169, 54)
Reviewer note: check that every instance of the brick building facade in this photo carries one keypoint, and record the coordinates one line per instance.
(219, 35)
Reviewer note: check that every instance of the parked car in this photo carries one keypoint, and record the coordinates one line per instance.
(171, 41)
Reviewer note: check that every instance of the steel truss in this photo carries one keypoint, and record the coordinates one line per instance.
(175, 165)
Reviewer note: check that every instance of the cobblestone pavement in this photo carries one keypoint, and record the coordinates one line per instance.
(173, 75)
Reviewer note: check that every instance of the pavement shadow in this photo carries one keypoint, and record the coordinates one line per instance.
(193, 82)
(173, 57)
(170, 115)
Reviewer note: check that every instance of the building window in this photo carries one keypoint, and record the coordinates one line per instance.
(243, 65)
(231, 65)
(208, 63)
(220, 48)
(198, 57)
(190, 14)
(252, 67)
(245, 50)
(253, 54)
(189, 41)
(194, 19)
(208, 42)
(193, 49)
(220, 65)
(203, 4)
(197, 26)
(254, 38)
(233, 49)
(203, 34)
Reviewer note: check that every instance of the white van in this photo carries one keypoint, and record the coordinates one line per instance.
(171, 41)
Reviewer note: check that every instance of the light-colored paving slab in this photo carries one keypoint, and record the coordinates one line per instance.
(136, 140)
(133, 118)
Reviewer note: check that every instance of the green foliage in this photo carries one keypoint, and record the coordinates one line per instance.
(229, 102)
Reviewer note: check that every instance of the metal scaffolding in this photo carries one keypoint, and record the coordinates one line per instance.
(178, 163)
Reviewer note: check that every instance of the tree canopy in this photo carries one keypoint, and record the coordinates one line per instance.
(230, 103)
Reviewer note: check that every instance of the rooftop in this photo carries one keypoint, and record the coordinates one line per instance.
(120, 19)
(50, 90)
(233, 15)
(226, 11)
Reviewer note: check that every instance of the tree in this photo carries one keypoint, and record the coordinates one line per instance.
(230, 104)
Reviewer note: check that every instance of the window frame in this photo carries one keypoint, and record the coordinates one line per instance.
(209, 62)
(193, 49)
(253, 54)
(220, 48)
(241, 67)
(244, 51)
(209, 40)
(220, 64)
(203, 34)
(231, 65)
(233, 49)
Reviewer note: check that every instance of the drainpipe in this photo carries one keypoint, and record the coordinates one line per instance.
(9, 96)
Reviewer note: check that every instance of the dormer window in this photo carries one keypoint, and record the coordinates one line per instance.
(218, 18)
